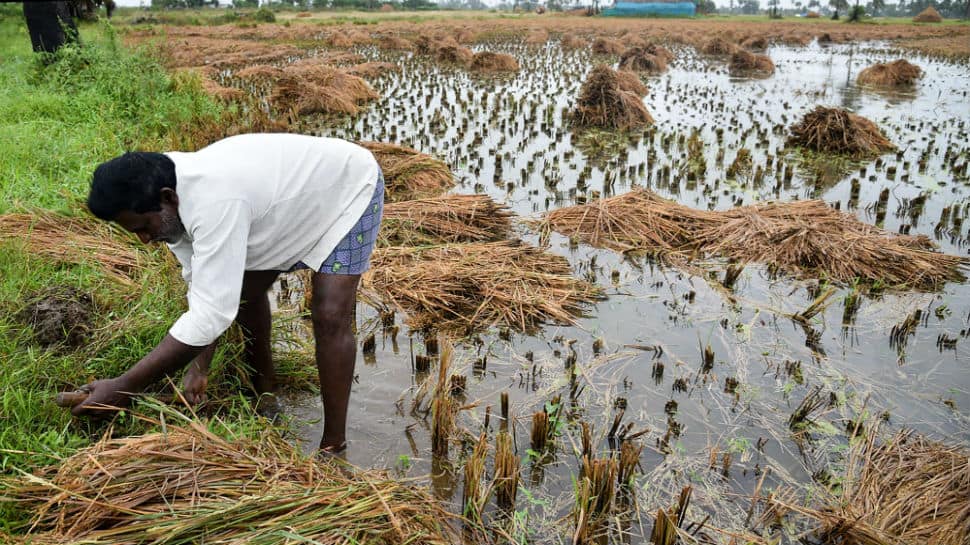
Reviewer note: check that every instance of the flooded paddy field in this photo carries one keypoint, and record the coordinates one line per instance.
(605, 384)
(721, 421)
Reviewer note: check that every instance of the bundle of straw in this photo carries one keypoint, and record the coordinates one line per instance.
(608, 46)
(410, 174)
(395, 43)
(746, 63)
(188, 485)
(804, 238)
(321, 89)
(72, 239)
(718, 46)
(473, 286)
(452, 218)
(928, 15)
(453, 53)
(638, 220)
(603, 102)
(890, 74)
(834, 130)
(490, 61)
(899, 492)
(811, 237)
(639, 59)
(372, 69)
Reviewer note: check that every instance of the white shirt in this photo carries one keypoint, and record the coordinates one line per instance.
(260, 202)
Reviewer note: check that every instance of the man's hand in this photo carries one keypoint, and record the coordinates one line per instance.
(112, 392)
(194, 384)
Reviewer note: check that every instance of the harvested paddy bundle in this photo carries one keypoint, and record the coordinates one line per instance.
(571, 41)
(454, 54)
(630, 81)
(260, 72)
(928, 15)
(748, 64)
(810, 238)
(804, 238)
(351, 39)
(408, 173)
(340, 40)
(71, 240)
(905, 490)
(320, 89)
(466, 36)
(452, 218)
(191, 484)
(834, 130)
(638, 220)
(891, 74)
(395, 43)
(796, 39)
(489, 61)
(608, 46)
(644, 59)
(465, 287)
(718, 46)
(426, 45)
(755, 43)
(537, 37)
(604, 103)
(372, 69)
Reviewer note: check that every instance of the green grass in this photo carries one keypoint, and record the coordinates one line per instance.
(58, 120)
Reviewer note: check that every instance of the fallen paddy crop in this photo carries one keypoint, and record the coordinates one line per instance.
(408, 173)
(800, 238)
(452, 218)
(474, 286)
(185, 483)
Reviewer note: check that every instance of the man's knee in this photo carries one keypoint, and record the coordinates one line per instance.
(330, 318)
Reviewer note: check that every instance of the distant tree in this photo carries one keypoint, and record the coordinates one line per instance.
(750, 7)
(705, 7)
(838, 5)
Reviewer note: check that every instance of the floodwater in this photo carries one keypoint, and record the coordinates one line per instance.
(507, 137)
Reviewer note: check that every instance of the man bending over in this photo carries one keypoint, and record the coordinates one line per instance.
(236, 214)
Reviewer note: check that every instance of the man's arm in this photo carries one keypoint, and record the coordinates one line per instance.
(168, 357)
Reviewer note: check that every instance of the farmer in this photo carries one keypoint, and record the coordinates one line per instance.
(236, 214)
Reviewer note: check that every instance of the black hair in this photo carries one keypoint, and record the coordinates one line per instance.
(133, 182)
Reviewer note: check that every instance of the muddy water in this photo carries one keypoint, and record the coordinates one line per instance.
(508, 137)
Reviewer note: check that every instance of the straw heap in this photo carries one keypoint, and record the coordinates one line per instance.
(311, 89)
(650, 58)
(472, 286)
(603, 102)
(188, 485)
(408, 173)
(69, 239)
(746, 63)
(899, 492)
(907, 490)
(890, 74)
(804, 238)
(489, 61)
(928, 15)
(452, 218)
(833, 130)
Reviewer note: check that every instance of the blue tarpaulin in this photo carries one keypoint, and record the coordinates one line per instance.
(663, 9)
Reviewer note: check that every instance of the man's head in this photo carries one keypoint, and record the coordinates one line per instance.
(137, 191)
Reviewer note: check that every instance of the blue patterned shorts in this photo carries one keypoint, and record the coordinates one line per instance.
(352, 254)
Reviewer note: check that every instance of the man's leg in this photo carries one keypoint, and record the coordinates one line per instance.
(334, 302)
(256, 322)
